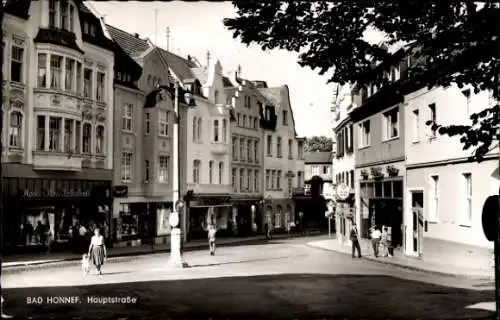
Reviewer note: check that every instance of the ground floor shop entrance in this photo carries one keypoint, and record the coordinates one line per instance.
(206, 210)
(246, 216)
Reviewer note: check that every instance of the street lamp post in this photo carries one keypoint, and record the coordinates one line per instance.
(175, 260)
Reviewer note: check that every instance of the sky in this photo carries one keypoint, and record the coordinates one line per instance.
(196, 28)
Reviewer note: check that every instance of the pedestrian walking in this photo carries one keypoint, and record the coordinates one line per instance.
(211, 238)
(97, 250)
(267, 231)
(376, 235)
(384, 244)
(354, 235)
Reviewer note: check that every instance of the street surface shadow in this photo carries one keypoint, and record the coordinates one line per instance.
(242, 261)
(270, 297)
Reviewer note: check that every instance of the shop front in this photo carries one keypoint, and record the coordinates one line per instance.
(345, 215)
(139, 220)
(35, 209)
(278, 213)
(210, 209)
(245, 213)
(381, 204)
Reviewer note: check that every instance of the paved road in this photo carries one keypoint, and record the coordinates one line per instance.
(281, 279)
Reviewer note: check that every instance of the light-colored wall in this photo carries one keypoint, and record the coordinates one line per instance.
(308, 168)
(451, 108)
(452, 200)
(379, 150)
(342, 165)
(94, 57)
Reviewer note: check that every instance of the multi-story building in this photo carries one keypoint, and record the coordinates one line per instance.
(204, 145)
(58, 114)
(344, 166)
(247, 157)
(445, 191)
(143, 149)
(319, 164)
(380, 157)
(283, 157)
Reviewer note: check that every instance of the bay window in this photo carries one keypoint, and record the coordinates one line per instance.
(99, 142)
(163, 165)
(163, 122)
(224, 130)
(221, 172)
(127, 117)
(78, 78)
(42, 70)
(15, 129)
(56, 71)
(87, 83)
(68, 134)
(100, 87)
(70, 75)
(126, 167)
(16, 64)
(40, 133)
(87, 137)
(216, 130)
(55, 134)
(78, 136)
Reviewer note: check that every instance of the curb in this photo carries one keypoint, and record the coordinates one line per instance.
(404, 266)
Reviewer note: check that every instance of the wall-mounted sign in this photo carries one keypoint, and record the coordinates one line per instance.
(213, 201)
(54, 194)
(120, 191)
(343, 191)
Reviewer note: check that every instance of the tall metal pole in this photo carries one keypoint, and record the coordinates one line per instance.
(156, 27)
(168, 39)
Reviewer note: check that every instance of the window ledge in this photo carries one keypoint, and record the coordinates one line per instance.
(128, 131)
(433, 221)
(465, 225)
(364, 147)
(415, 142)
(16, 84)
(390, 139)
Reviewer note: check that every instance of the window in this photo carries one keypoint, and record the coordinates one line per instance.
(216, 97)
(195, 129)
(242, 149)
(221, 172)
(150, 80)
(87, 136)
(300, 150)
(92, 30)
(79, 77)
(256, 181)
(249, 179)
(268, 179)
(199, 128)
(71, 19)
(242, 179)
(269, 146)
(233, 179)
(68, 135)
(163, 120)
(63, 5)
(285, 117)
(42, 70)
(290, 149)
(249, 151)
(100, 87)
(148, 122)
(239, 120)
(391, 124)
(87, 83)
(277, 216)
(70, 75)
(434, 208)
(216, 130)
(211, 172)
(55, 134)
(163, 164)
(432, 110)
(468, 198)
(16, 65)
(278, 180)
(326, 169)
(278, 147)
(86, 27)
(224, 130)
(196, 171)
(255, 123)
(52, 14)
(99, 143)
(146, 171)
(127, 117)
(126, 167)
(416, 125)
(352, 179)
(244, 121)
(78, 136)
(256, 151)
(40, 133)
(55, 71)
(15, 129)
(235, 148)
(273, 179)
(364, 134)
(299, 179)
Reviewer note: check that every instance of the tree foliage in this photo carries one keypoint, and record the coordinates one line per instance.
(318, 143)
(455, 42)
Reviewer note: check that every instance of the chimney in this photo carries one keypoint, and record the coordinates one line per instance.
(189, 57)
(136, 35)
(238, 72)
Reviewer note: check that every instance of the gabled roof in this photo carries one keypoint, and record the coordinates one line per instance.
(200, 74)
(180, 67)
(227, 83)
(273, 95)
(132, 44)
(318, 157)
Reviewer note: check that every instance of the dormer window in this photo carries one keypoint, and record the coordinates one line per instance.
(52, 14)
(64, 15)
(61, 15)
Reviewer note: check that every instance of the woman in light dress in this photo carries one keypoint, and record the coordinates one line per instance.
(211, 238)
(97, 250)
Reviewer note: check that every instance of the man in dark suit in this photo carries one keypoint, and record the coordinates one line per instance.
(355, 241)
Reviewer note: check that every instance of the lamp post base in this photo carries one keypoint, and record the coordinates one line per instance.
(175, 261)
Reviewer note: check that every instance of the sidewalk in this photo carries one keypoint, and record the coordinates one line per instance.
(399, 259)
(21, 261)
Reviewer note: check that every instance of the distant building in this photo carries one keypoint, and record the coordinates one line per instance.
(319, 164)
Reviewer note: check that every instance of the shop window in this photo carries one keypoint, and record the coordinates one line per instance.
(378, 189)
(278, 216)
(128, 224)
(397, 189)
(388, 189)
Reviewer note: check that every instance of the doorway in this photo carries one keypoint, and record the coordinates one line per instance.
(417, 221)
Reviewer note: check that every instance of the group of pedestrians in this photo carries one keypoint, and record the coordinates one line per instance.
(380, 240)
